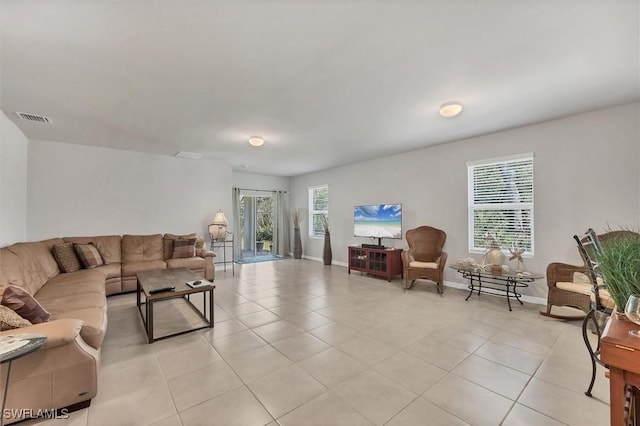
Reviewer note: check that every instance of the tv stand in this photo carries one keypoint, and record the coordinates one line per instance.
(382, 262)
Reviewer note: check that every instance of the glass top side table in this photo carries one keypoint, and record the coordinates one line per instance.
(503, 283)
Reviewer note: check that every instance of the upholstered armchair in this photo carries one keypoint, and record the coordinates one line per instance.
(425, 258)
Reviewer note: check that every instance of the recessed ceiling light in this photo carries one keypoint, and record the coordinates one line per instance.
(256, 141)
(450, 109)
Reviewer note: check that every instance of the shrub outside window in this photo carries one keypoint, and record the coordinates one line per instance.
(318, 207)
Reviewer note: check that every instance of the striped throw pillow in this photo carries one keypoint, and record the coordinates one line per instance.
(24, 305)
(89, 255)
(184, 248)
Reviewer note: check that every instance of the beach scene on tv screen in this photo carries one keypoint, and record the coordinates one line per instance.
(379, 221)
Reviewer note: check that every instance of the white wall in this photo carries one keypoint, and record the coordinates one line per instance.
(81, 190)
(587, 174)
(13, 182)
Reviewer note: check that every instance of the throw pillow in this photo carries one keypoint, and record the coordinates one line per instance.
(89, 255)
(24, 305)
(183, 248)
(9, 319)
(66, 257)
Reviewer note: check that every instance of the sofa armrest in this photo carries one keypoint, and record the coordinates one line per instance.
(207, 253)
(562, 272)
(59, 332)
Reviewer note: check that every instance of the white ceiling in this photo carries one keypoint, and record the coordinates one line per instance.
(324, 82)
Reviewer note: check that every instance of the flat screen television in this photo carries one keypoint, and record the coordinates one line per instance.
(378, 221)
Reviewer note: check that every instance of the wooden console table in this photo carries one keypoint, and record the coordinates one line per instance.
(620, 351)
(382, 262)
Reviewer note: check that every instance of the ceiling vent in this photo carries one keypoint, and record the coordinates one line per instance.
(34, 117)
(190, 155)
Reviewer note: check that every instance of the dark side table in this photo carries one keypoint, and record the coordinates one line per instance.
(16, 346)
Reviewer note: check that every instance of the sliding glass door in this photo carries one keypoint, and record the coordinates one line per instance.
(256, 225)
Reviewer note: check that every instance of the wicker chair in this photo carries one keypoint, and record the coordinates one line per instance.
(566, 290)
(425, 258)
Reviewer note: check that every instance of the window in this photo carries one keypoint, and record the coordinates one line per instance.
(501, 203)
(318, 207)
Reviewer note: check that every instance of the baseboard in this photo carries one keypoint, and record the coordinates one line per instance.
(334, 262)
(524, 297)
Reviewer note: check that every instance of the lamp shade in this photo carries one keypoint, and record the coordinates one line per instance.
(218, 226)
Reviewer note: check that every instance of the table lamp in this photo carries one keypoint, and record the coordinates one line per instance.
(218, 226)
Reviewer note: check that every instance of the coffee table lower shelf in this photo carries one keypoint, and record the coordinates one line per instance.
(181, 291)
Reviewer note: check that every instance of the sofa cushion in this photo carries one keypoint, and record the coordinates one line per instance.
(427, 265)
(108, 245)
(132, 268)
(66, 257)
(9, 319)
(38, 263)
(89, 255)
(580, 288)
(139, 248)
(184, 247)
(112, 270)
(24, 305)
(80, 282)
(11, 270)
(193, 263)
(59, 304)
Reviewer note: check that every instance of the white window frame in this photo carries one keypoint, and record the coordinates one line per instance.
(313, 212)
(471, 165)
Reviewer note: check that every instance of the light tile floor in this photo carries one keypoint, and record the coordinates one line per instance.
(299, 343)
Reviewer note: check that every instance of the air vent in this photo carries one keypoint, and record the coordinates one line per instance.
(34, 117)
(190, 155)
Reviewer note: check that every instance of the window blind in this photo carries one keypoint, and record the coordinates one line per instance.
(318, 207)
(501, 203)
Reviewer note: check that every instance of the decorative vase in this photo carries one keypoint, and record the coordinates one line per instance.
(326, 255)
(297, 244)
(495, 257)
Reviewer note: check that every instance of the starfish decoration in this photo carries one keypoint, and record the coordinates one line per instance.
(516, 253)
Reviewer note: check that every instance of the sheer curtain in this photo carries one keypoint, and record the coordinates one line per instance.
(237, 246)
(280, 243)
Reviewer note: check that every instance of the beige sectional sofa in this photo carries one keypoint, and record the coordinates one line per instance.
(64, 372)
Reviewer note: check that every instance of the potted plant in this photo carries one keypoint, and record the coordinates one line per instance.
(263, 234)
(619, 263)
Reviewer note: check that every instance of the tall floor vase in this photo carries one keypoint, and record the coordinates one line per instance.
(297, 244)
(326, 255)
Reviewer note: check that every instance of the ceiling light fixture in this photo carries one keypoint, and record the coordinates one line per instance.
(450, 109)
(256, 141)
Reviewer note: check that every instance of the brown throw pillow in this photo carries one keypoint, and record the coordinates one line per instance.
(9, 319)
(24, 305)
(66, 257)
(183, 248)
(89, 255)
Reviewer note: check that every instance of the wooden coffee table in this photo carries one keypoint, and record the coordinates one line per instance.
(178, 277)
